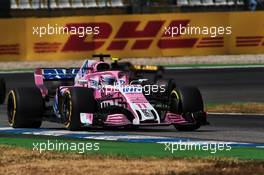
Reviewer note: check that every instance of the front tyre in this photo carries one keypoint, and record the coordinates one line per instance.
(190, 99)
(184, 101)
(25, 107)
(77, 100)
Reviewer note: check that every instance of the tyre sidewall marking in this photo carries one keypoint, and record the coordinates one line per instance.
(67, 125)
(14, 109)
(175, 93)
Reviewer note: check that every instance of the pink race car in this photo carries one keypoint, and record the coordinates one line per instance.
(101, 94)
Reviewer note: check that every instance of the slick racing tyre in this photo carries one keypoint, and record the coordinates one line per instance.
(25, 107)
(2, 90)
(190, 99)
(77, 100)
(184, 100)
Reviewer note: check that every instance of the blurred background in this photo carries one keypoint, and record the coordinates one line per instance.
(23, 8)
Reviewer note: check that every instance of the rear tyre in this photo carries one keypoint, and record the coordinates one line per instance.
(2, 90)
(76, 101)
(186, 100)
(25, 108)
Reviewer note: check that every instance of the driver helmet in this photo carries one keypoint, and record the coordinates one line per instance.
(108, 80)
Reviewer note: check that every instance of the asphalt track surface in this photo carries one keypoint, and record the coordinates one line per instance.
(216, 85)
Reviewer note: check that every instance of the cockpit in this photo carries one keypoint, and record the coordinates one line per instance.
(108, 80)
(102, 66)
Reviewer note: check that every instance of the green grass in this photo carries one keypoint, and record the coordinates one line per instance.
(18, 70)
(134, 149)
(236, 107)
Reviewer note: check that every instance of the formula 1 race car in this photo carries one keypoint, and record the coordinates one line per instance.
(103, 94)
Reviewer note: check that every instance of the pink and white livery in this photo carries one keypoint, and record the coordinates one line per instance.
(102, 94)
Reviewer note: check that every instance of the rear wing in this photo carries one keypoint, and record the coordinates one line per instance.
(151, 72)
(127, 66)
(56, 73)
(147, 68)
(54, 77)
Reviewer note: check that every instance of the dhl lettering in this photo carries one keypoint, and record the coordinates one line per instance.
(76, 43)
(128, 30)
(142, 44)
(117, 45)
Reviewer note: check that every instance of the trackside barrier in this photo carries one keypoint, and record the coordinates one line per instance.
(132, 36)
